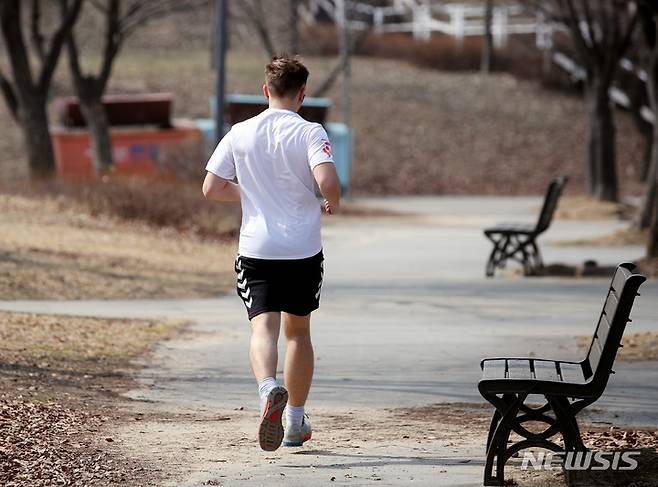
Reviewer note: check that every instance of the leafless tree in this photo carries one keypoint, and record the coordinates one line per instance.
(601, 31)
(636, 90)
(648, 13)
(121, 18)
(27, 92)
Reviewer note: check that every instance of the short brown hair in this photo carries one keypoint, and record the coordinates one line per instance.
(285, 75)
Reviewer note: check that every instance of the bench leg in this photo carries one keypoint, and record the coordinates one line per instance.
(510, 246)
(495, 419)
(511, 413)
(498, 254)
(531, 259)
(566, 420)
(507, 407)
(538, 262)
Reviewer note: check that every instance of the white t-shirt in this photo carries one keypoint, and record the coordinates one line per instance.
(272, 155)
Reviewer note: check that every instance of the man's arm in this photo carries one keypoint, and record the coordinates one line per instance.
(220, 189)
(327, 178)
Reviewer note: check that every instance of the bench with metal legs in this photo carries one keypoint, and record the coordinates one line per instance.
(567, 387)
(518, 241)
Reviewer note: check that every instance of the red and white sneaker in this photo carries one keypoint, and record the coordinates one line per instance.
(297, 436)
(270, 428)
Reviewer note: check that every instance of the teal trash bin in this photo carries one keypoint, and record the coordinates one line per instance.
(340, 136)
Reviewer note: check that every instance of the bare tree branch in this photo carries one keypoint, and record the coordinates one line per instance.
(50, 60)
(589, 24)
(113, 41)
(12, 32)
(333, 75)
(35, 28)
(98, 5)
(255, 15)
(9, 95)
(141, 12)
(573, 24)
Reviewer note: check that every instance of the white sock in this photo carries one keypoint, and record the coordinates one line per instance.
(264, 388)
(294, 416)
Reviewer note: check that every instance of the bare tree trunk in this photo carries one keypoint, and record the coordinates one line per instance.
(652, 248)
(645, 162)
(487, 64)
(27, 96)
(650, 201)
(648, 19)
(649, 210)
(601, 166)
(637, 93)
(34, 125)
(89, 90)
(99, 131)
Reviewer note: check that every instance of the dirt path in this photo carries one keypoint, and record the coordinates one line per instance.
(351, 447)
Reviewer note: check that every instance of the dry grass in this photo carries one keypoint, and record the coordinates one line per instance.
(44, 340)
(648, 267)
(587, 208)
(51, 248)
(636, 346)
(625, 236)
(59, 379)
(173, 205)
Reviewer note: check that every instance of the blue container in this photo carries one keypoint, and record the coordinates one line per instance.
(207, 128)
(340, 137)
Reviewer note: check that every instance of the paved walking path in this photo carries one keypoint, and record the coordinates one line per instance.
(406, 315)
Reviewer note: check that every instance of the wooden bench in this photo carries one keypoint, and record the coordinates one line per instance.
(518, 241)
(567, 387)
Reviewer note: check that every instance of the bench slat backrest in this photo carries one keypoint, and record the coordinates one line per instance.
(550, 204)
(612, 322)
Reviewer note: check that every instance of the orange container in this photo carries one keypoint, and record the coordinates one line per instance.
(135, 150)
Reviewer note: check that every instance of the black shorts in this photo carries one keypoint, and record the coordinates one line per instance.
(292, 286)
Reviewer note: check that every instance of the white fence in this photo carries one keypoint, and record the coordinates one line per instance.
(423, 17)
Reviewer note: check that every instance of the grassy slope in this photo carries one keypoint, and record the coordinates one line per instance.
(417, 131)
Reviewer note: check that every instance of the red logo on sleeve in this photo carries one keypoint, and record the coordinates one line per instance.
(326, 147)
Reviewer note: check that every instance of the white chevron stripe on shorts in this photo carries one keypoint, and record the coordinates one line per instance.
(244, 285)
(317, 294)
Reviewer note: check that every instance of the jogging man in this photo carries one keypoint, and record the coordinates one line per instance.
(275, 157)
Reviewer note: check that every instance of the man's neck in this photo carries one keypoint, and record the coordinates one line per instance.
(282, 104)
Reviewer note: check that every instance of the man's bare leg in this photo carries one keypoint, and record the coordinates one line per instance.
(263, 355)
(298, 374)
(298, 367)
(263, 352)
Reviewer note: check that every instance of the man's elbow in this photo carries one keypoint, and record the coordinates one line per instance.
(330, 186)
(206, 188)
